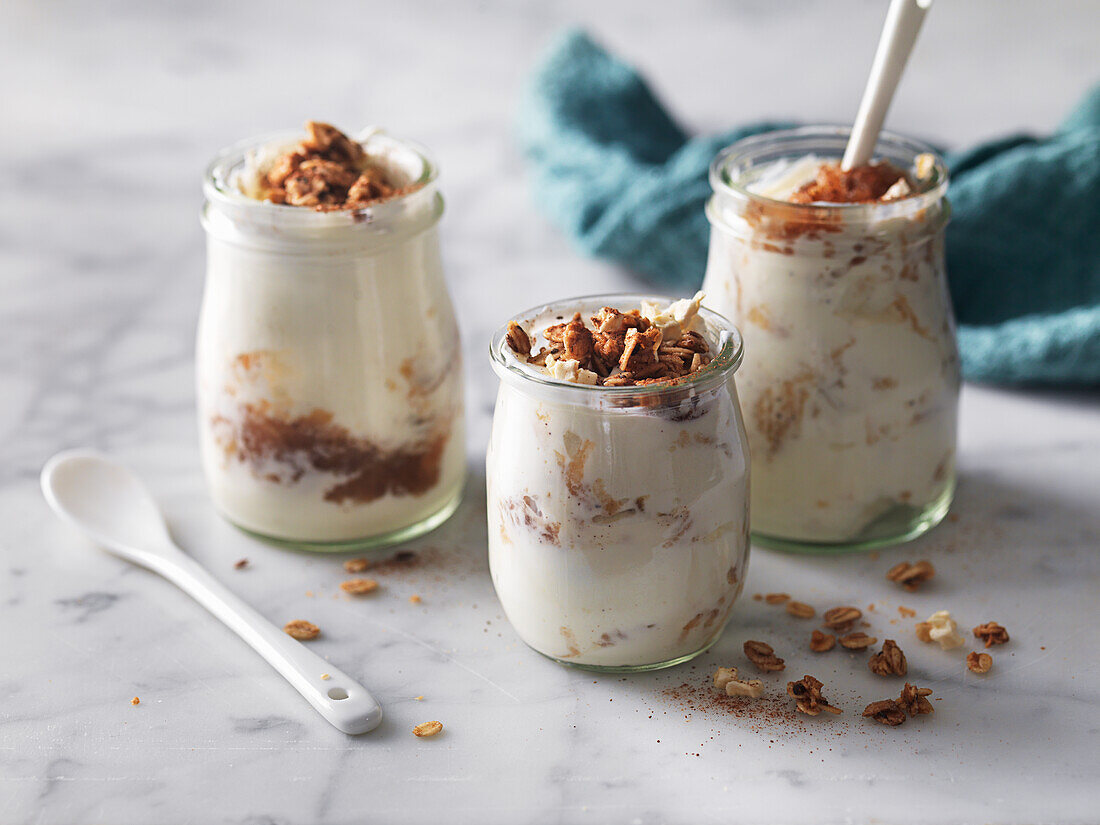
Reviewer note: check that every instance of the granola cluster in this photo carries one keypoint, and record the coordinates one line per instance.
(863, 184)
(620, 349)
(327, 171)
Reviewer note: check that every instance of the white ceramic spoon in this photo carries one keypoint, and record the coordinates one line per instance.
(109, 503)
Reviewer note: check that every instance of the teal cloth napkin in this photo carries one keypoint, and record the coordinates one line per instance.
(613, 169)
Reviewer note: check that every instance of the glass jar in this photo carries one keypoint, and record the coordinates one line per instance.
(328, 362)
(851, 394)
(618, 516)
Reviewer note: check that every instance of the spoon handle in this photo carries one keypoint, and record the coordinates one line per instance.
(339, 698)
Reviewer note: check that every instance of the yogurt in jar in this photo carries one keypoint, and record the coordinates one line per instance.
(618, 480)
(837, 281)
(328, 360)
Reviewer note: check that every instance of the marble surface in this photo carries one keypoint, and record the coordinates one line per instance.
(115, 109)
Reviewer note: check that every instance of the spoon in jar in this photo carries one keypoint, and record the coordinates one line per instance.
(112, 506)
(903, 22)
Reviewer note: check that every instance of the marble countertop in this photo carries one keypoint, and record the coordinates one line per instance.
(118, 107)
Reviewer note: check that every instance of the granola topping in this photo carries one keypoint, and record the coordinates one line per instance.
(857, 641)
(800, 610)
(644, 346)
(914, 700)
(911, 576)
(979, 662)
(428, 729)
(776, 598)
(885, 712)
(941, 628)
(991, 633)
(890, 661)
(841, 618)
(863, 184)
(822, 642)
(807, 696)
(325, 171)
(763, 656)
(301, 630)
(725, 678)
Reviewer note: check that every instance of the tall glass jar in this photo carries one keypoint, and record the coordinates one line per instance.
(328, 362)
(851, 394)
(618, 516)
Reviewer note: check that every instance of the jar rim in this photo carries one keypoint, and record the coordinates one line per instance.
(218, 188)
(724, 362)
(800, 141)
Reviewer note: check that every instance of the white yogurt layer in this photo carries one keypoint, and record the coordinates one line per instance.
(618, 532)
(850, 383)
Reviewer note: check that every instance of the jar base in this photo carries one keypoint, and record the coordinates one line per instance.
(898, 526)
(404, 534)
(679, 660)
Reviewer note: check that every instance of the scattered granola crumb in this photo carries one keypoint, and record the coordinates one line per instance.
(725, 678)
(776, 598)
(821, 642)
(991, 633)
(428, 729)
(763, 656)
(857, 641)
(807, 696)
(419, 698)
(941, 628)
(758, 597)
(241, 564)
(913, 699)
(357, 565)
(886, 712)
(359, 587)
(890, 661)
(911, 576)
(301, 630)
(979, 662)
(135, 701)
(325, 677)
(800, 610)
(906, 612)
(841, 618)
(414, 599)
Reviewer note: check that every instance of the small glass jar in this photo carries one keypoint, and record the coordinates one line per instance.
(851, 394)
(328, 362)
(618, 516)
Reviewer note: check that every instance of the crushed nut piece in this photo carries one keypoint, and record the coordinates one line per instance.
(357, 565)
(301, 630)
(359, 587)
(821, 642)
(979, 662)
(857, 641)
(807, 696)
(428, 729)
(913, 699)
(911, 576)
(991, 633)
(943, 629)
(776, 598)
(725, 678)
(241, 564)
(763, 656)
(135, 701)
(800, 610)
(886, 712)
(890, 661)
(841, 618)
(518, 339)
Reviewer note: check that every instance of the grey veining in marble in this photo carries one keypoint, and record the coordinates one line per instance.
(111, 111)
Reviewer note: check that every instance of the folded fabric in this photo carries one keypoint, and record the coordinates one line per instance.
(614, 171)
